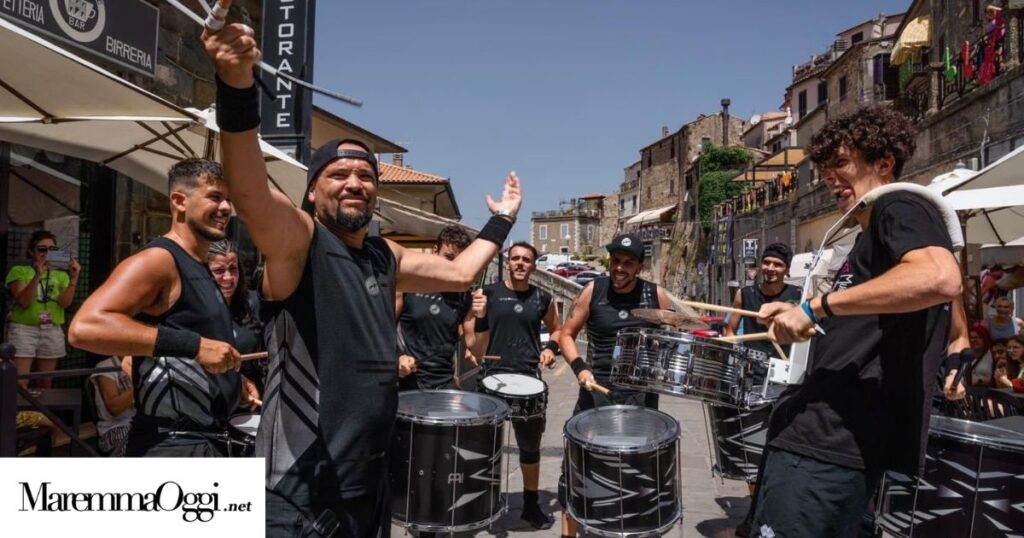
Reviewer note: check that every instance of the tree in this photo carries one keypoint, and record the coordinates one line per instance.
(718, 165)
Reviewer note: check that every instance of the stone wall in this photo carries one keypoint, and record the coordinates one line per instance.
(609, 218)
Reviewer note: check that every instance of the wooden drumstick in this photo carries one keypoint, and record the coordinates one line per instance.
(706, 306)
(594, 386)
(753, 338)
(258, 402)
(251, 356)
(492, 357)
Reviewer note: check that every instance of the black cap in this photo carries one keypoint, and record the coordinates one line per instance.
(630, 243)
(780, 251)
(329, 152)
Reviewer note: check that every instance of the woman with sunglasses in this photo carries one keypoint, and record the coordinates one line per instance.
(41, 293)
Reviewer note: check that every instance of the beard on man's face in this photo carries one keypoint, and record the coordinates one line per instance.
(352, 222)
(207, 233)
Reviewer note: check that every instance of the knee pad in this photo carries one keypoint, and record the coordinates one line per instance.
(529, 456)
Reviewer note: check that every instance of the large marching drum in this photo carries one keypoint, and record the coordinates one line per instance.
(682, 364)
(973, 483)
(445, 471)
(622, 469)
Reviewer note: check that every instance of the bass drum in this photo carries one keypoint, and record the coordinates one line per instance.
(972, 486)
(622, 473)
(445, 468)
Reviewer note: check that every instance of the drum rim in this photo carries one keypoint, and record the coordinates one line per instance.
(476, 525)
(660, 531)
(499, 416)
(648, 447)
(693, 338)
(973, 439)
(544, 386)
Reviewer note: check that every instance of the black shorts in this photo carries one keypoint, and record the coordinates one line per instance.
(365, 516)
(529, 433)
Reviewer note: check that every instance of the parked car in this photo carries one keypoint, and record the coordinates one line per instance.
(584, 277)
(571, 269)
(551, 261)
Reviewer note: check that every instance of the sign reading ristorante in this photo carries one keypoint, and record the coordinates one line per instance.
(121, 31)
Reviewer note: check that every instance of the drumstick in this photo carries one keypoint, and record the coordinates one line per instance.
(745, 337)
(594, 386)
(706, 306)
(492, 357)
(756, 337)
(258, 402)
(250, 356)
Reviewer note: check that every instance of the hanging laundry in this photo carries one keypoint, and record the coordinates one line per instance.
(966, 61)
(949, 67)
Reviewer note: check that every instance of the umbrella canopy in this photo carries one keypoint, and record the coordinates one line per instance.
(991, 201)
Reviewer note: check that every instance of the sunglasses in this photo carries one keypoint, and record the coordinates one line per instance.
(46, 249)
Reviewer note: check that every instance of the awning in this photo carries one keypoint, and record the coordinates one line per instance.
(406, 220)
(757, 174)
(916, 34)
(1009, 170)
(43, 83)
(991, 201)
(787, 157)
(649, 216)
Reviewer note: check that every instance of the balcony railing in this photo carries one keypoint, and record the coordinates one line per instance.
(760, 196)
(629, 185)
(984, 62)
(567, 213)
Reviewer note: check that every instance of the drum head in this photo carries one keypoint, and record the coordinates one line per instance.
(246, 423)
(514, 384)
(450, 407)
(1006, 433)
(622, 428)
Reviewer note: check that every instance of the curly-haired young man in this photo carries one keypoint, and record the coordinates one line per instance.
(864, 404)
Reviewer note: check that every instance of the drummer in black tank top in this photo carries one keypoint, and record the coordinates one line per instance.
(511, 331)
(163, 307)
(430, 325)
(603, 307)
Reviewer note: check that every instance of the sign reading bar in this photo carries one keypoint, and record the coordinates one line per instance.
(287, 45)
(121, 31)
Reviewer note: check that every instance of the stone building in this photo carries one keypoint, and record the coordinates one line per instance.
(574, 228)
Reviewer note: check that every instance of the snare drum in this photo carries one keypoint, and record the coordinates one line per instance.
(445, 468)
(622, 471)
(526, 396)
(242, 434)
(973, 483)
(681, 364)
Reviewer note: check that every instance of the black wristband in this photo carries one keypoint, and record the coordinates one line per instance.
(481, 325)
(952, 362)
(496, 230)
(578, 365)
(826, 307)
(553, 347)
(238, 110)
(176, 343)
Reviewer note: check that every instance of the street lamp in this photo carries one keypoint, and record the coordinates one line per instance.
(567, 239)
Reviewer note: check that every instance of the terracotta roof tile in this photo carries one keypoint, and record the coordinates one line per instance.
(390, 173)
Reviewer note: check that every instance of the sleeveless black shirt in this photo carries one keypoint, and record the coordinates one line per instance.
(514, 318)
(752, 298)
(332, 393)
(430, 326)
(610, 313)
(179, 389)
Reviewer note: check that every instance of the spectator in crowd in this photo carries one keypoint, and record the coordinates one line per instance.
(41, 292)
(979, 372)
(1013, 367)
(227, 270)
(115, 405)
(1003, 324)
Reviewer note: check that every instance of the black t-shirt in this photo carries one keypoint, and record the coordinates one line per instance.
(514, 318)
(611, 312)
(866, 398)
(430, 328)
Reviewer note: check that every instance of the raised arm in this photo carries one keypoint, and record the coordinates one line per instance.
(146, 283)
(424, 272)
(281, 231)
(734, 320)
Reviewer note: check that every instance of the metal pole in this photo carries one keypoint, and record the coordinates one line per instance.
(8, 408)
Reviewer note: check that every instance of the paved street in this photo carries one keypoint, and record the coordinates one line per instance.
(710, 507)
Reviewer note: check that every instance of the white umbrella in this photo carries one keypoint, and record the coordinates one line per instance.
(990, 202)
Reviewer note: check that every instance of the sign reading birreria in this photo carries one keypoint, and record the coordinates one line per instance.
(287, 45)
(120, 31)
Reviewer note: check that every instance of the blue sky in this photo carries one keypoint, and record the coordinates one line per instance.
(564, 92)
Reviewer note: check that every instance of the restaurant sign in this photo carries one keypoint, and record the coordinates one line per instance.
(120, 31)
